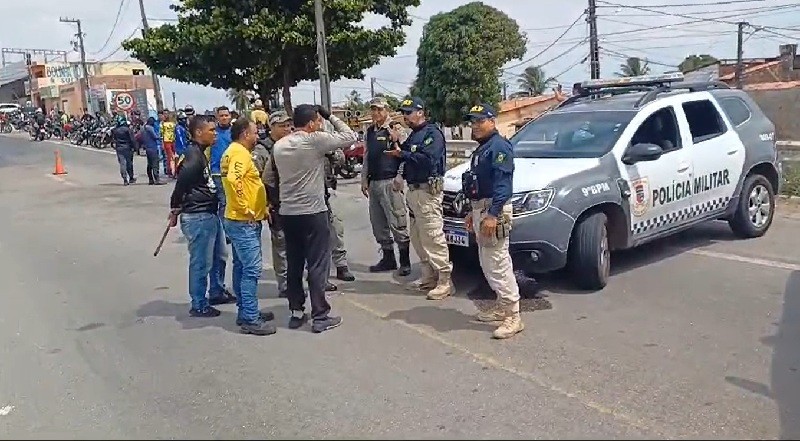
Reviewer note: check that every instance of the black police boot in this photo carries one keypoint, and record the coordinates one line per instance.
(343, 273)
(405, 262)
(387, 262)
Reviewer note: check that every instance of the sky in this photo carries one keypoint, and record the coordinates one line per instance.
(649, 29)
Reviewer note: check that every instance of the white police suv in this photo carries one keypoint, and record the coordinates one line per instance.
(627, 161)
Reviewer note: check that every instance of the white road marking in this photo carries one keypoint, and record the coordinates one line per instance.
(5, 410)
(68, 144)
(745, 259)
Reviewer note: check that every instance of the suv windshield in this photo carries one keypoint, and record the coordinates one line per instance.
(571, 134)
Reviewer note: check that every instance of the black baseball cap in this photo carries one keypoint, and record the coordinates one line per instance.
(412, 104)
(480, 111)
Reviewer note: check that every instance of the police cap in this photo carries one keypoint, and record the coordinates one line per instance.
(412, 104)
(480, 111)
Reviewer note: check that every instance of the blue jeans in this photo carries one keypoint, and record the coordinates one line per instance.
(246, 244)
(216, 286)
(201, 230)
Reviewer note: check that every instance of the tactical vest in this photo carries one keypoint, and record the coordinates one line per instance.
(380, 166)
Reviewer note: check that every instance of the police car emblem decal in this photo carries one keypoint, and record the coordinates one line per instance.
(641, 189)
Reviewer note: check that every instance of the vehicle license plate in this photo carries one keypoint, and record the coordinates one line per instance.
(457, 237)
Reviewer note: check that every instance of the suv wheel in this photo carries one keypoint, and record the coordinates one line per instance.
(590, 253)
(756, 208)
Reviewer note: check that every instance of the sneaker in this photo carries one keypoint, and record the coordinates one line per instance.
(133, 180)
(224, 298)
(512, 325)
(331, 287)
(325, 324)
(298, 319)
(493, 314)
(266, 316)
(208, 312)
(126, 183)
(258, 328)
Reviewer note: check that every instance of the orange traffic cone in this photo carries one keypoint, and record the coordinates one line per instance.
(59, 166)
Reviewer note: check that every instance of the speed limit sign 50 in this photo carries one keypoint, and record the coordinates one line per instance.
(124, 101)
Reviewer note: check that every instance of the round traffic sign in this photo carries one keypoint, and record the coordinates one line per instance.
(124, 101)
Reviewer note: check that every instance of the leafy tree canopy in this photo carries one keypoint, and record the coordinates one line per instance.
(633, 67)
(269, 44)
(694, 62)
(534, 81)
(459, 57)
(394, 102)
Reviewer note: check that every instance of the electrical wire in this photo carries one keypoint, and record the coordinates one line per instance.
(569, 28)
(120, 45)
(540, 65)
(113, 27)
(686, 5)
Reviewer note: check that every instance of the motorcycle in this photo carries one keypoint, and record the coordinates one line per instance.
(353, 161)
(38, 132)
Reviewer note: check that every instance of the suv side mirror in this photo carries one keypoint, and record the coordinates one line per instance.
(642, 152)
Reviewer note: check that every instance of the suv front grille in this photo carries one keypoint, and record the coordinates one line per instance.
(454, 204)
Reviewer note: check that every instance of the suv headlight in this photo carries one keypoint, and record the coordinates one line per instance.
(532, 202)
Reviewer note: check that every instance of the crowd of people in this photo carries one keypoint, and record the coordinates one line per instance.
(233, 175)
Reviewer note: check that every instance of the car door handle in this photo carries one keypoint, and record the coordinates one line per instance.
(733, 152)
(683, 168)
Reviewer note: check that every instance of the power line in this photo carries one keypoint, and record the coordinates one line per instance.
(113, 27)
(626, 56)
(551, 59)
(572, 66)
(569, 28)
(686, 5)
(120, 45)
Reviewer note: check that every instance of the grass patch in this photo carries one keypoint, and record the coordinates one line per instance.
(791, 178)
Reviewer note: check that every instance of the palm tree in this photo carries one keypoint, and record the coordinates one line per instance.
(633, 67)
(239, 99)
(533, 80)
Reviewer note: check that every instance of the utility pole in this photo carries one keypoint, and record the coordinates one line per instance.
(85, 79)
(372, 87)
(156, 84)
(594, 47)
(322, 57)
(315, 97)
(174, 106)
(739, 54)
(505, 90)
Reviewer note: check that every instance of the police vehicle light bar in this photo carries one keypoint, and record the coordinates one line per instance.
(644, 80)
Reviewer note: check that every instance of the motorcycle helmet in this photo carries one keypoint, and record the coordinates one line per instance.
(189, 110)
(121, 121)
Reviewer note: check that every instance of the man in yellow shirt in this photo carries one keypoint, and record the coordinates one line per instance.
(258, 115)
(168, 138)
(245, 209)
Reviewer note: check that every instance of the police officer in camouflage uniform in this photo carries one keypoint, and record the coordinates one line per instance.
(338, 251)
(280, 124)
(381, 183)
(423, 155)
(488, 185)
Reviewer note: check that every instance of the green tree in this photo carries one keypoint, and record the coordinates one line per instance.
(459, 57)
(354, 101)
(393, 101)
(534, 81)
(694, 62)
(269, 45)
(239, 99)
(633, 67)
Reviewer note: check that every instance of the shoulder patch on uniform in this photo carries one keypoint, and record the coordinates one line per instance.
(381, 138)
(500, 157)
(428, 140)
(413, 148)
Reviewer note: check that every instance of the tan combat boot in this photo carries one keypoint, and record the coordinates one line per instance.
(512, 324)
(493, 314)
(427, 281)
(443, 289)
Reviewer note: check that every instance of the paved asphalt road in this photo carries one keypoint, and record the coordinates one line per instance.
(695, 337)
